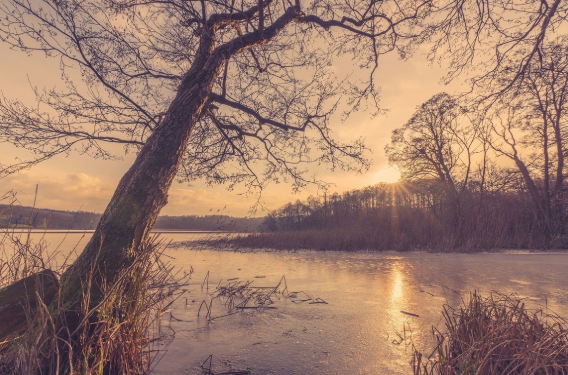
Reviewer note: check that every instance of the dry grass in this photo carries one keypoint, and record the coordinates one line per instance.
(497, 335)
(336, 239)
(115, 337)
(363, 238)
(237, 296)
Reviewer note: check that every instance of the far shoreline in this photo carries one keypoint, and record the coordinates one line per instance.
(220, 245)
(76, 231)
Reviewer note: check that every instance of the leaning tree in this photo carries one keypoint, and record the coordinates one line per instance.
(200, 87)
(196, 88)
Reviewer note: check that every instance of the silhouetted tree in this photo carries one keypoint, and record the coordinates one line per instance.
(435, 143)
(530, 128)
(438, 142)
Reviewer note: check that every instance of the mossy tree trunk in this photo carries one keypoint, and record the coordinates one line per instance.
(142, 191)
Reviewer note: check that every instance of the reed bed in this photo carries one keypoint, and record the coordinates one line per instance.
(118, 336)
(497, 335)
(238, 296)
(337, 239)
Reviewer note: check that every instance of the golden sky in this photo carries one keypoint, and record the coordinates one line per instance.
(79, 182)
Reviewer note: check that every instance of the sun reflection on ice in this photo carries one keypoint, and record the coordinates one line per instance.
(400, 319)
(398, 298)
(397, 291)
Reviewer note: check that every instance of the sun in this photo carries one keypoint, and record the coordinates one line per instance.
(387, 174)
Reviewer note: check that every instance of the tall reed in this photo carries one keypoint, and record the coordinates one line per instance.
(497, 335)
(116, 337)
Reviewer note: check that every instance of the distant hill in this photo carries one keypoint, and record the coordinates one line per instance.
(42, 218)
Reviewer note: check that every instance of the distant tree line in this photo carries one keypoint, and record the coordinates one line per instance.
(410, 215)
(24, 217)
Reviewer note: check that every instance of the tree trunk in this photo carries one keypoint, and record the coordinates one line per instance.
(18, 301)
(536, 199)
(142, 191)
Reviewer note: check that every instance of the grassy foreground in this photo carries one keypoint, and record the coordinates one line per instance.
(497, 335)
(115, 337)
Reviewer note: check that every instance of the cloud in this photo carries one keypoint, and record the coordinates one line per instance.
(76, 191)
(81, 191)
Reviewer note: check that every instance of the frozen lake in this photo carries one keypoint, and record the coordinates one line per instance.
(361, 329)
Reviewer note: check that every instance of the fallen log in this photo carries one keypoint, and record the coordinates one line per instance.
(19, 300)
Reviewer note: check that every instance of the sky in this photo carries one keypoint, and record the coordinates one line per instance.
(77, 182)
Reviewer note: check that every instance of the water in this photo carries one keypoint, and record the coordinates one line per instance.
(360, 330)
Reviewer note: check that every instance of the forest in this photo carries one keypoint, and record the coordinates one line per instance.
(405, 216)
